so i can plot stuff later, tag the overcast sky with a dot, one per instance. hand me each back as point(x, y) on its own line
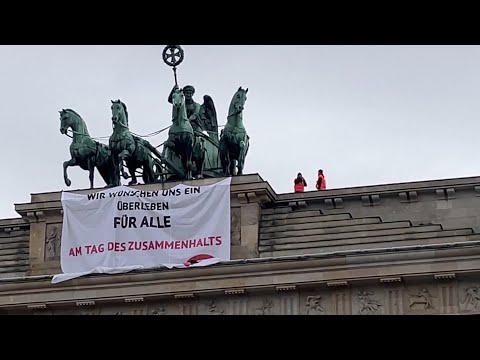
point(365, 114)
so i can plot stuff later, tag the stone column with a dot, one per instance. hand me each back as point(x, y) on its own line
point(45, 240)
point(246, 212)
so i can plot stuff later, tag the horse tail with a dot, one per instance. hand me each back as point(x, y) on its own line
point(103, 162)
point(100, 152)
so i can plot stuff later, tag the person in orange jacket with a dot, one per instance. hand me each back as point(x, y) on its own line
point(321, 182)
point(299, 183)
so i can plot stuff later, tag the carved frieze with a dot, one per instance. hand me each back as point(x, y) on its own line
point(53, 235)
point(368, 305)
point(421, 300)
point(313, 305)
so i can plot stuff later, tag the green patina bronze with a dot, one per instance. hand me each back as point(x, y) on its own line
point(136, 152)
point(234, 141)
point(180, 136)
point(85, 152)
point(193, 148)
point(203, 119)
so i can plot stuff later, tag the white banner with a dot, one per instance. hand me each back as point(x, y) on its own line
point(122, 228)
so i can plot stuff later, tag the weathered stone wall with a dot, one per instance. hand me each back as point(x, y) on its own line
point(44, 214)
point(309, 231)
point(443, 296)
point(14, 245)
point(410, 248)
point(453, 203)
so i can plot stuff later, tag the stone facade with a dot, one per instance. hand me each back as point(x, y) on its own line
point(443, 298)
point(411, 248)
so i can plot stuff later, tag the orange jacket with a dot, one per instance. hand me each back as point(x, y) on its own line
point(299, 185)
point(321, 183)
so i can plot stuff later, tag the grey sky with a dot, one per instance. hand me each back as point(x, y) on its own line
point(365, 114)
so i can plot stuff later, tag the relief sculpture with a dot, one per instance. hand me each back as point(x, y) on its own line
point(159, 311)
point(369, 305)
point(422, 298)
point(472, 297)
point(214, 310)
point(265, 308)
point(52, 242)
point(313, 305)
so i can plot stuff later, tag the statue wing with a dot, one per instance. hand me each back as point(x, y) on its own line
point(209, 113)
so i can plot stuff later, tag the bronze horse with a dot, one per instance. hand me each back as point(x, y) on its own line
point(85, 152)
point(135, 151)
point(234, 141)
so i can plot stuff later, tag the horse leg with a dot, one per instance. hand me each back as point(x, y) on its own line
point(200, 164)
point(228, 161)
point(66, 164)
point(121, 157)
point(199, 158)
point(124, 173)
point(231, 164)
point(195, 157)
point(241, 157)
point(187, 141)
point(91, 170)
point(116, 170)
point(126, 154)
point(131, 169)
point(102, 166)
point(232, 160)
point(185, 166)
point(104, 173)
point(224, 157)
point(189, 158)
point(109, 170)
point(187, 163)
point(202, 159)
point(148, 172)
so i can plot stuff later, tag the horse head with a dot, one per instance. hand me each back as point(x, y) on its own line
point(238, 101)
point(178, 99)
point(179, 112)
point(64, 121)
point(70, 119)
point(119, 113)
